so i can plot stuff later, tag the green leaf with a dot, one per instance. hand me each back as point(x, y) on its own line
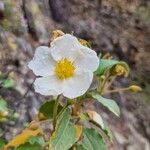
point(108, 131)
point(4, 111)
point(106, 64)
point(28, 146)
point(92, 140)
point(3, 105)
point(109, 103)
point(34, 143)
point(47, 109)
point(98, 121)
point(2, 143)
point(80, 147)
point(37, 140)
point(65, 134)
point(9, 83)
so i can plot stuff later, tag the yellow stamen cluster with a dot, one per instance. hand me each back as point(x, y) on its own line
point(64, 69)
point(119, 70)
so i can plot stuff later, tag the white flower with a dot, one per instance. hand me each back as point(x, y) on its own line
point(65, 68)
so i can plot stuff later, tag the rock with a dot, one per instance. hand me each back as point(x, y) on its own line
point(14, 22)
point(39, 25)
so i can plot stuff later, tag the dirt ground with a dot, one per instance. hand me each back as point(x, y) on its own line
point(120, 27)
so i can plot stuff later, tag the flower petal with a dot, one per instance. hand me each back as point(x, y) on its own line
point(42, 63)
point(77, 85)
point(65, 46)
point(48, 86)
point(87, 59)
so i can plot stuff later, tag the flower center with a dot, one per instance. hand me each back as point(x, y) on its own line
point(64, 69)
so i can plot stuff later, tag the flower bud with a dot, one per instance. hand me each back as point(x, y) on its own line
point(84, 43)
point(3, 113)
point(57, 33)
point(102, 77)
point(119, 70)
point(3, 116)
point(16, 115)
point(135, 88)
point(3, 119)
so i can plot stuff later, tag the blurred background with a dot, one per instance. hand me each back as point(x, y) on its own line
point(120, 27)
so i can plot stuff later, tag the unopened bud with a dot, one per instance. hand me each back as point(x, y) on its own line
point(135, 88)
point(119, 70)
point(102, 77)
point(57, 33)
point(3, 113)
point(16, 115)
point(3, 119)
point(84, 43)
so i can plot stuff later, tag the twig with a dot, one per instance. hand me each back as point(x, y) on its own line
point(27, 91)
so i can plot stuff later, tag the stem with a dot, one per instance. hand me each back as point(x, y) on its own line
point(110, 83)
point(99, 84)
point(103, 84)
point(116, 90)
point(78, 103)
point(61, 110)
point(55, 111)
point(77, 106)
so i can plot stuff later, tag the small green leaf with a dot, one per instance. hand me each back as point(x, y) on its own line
point(9, 83)
point(65, 134)
point(92, 140)
point(3, 105)
point(4, 111)
point(2, 143)
point(109, 103)
point(80, 147)
point(28, 146)
point(98, 121)
point(106, 64)
point(37, 140)
point(47, 109)
point(34, 143)
point(108, 131)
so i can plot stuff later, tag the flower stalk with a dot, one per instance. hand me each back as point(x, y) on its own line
point(132, 88)
point(77, 106)
point(55, 111)
point(103, 84)
point(115, 90)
